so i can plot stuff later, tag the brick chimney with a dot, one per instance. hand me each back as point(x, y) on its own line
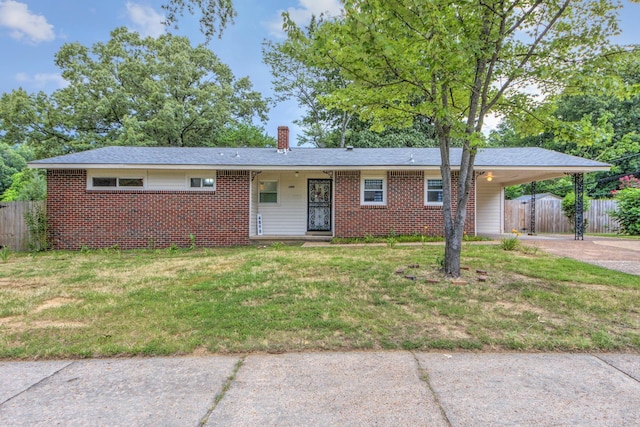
point(283, 139)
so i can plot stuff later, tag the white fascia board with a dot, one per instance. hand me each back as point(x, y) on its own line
point(554, 169)
point(226, 167)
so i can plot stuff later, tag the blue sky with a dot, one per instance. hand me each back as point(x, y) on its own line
point(32, 31)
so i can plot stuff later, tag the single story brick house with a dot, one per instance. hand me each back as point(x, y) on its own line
point(138, 197)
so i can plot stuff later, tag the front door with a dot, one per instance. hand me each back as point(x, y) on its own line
point(319, 205)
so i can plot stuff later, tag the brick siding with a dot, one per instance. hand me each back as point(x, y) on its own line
point(404, 213)
point(140, 219)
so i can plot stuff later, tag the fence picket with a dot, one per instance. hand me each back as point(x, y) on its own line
point(550, 219)
point(14, 232)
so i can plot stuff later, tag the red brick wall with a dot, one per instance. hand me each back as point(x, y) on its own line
point(405, 212)
point(141, 219)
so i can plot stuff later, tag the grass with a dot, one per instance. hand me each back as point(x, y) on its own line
point(402, 238)
point(288, 298)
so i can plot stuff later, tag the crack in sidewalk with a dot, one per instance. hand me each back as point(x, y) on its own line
point(225, 387)
point(37, 383)
point(616, 368)
point(424, 376)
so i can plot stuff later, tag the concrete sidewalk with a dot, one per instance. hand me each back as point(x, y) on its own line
point(358, 388)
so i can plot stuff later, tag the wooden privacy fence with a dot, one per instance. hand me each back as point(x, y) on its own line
point(14, 232)
point(551, 219)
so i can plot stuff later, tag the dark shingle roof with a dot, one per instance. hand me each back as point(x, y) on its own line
point(246, 158)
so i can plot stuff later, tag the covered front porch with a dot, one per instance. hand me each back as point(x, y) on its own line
point(291, 205)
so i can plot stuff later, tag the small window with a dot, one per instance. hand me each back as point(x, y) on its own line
point(374, 191)
point(130, 182)
point(104, 182)
point(116, 182)
point(268, 191)
point(433, 191)
point(202, 182)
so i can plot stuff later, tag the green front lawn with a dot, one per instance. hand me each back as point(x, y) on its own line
point(289, 298)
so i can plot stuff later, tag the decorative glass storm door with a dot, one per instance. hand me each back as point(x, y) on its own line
point(319, 199)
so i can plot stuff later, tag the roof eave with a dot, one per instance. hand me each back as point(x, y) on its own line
point(230, 167)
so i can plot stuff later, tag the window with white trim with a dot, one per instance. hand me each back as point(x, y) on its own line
point(433, 191)
point(100, 182)
point(202, 182)
point(268, 191)
point(374, 191)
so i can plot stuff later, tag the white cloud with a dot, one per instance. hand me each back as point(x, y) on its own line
point(42, 80)
point(146, 20)
point(491, 122)
point(302, 15)
point(23, 24)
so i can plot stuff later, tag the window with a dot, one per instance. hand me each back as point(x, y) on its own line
point(202, 182)
point(433, 191)
point(116, 182)
point(104, 182)
point(374, 191)
point(130, 182)
point(268, 191)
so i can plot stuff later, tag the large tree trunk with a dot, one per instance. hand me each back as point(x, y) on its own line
point(454, 216)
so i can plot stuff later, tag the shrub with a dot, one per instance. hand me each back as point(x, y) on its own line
point(510, 243)
point(36, 220)
point(569, 208)
point(628, 211)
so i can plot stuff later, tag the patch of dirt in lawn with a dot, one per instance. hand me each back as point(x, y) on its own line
point(590, 286)
point(7, 320)
point(201, 351)
point(164, 270)
point(15, 284)
point(451, 331)
point(15, 323)
point(54, 303)
point(18, 325)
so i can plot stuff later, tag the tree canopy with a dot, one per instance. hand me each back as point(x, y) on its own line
point(307, 79)
point(215, 15)
point(134, 91)
point(455, 62)
point(591, 121)
point(12, 161)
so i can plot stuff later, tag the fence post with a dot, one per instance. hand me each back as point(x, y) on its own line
point(532, 228)
point(578, 226)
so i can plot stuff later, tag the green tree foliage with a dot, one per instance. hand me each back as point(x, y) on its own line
point(308, 79)
point(558, 186)
point(628, 210)
point(307, 83)
point(591, 121)
point(244, 135)
point(215, 15)
point(569, 208)
point(12, 160)
point(134, 91)
point(28, 184)
point(454, 63)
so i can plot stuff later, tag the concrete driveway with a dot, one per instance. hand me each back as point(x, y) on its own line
point(608, 252)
